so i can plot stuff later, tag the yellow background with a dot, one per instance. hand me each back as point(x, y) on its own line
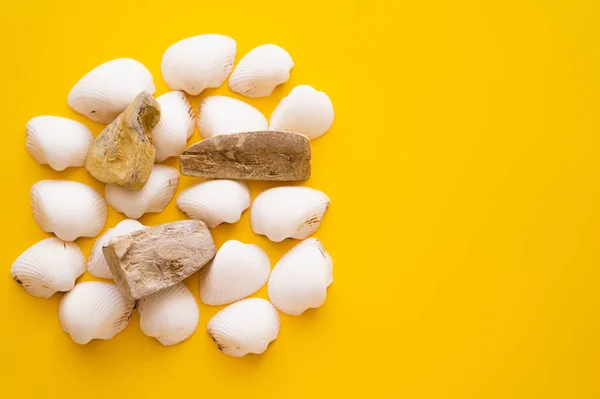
point(463, 171)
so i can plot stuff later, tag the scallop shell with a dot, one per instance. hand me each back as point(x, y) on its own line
point(288, 212)
point(305, 110)
point(68, 209)
point(247, 326)
point(261, 70)
point(198, 63)
point(94, 310)
point(300, 279)
point(215, 201)
point(58, 142)
point(225, 115)
point(96, 264)
point(153, 197)
point(48, 266)
point(175, 127)
point(104, 92)
point(237, 271)
point(170, 315)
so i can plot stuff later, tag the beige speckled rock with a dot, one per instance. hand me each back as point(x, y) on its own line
point(265, 155)
point(149, 260)
point(123, 153)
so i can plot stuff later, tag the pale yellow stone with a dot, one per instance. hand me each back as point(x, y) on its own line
point(123, 153)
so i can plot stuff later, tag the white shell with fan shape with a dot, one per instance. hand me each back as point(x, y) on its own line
point(261, 70)
point(104, 92)
point(300, 279)
point(175, 126)
point(198, 63)
point(153, 197)
point(226, 115)
point(247, 326)
point(288, 212)
point(58, 142)
point(305, 110)
point(94, 310)
point(68, 209)
point(48, 266)
point(237, 271)
point(215, 201)
point(170, 315)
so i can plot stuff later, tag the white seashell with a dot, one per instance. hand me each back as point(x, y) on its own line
point(153, 197)
point(68, 209)
point(215, 201)
point(261, 70)
point(96, 264)
point(305, 110)
point(288, 212)
point(58, 142)
point(247, 326)
point(170, 315)
point(94, 310)
point(300, 279)
point(48, 266)
point(198, 63)
point(225, 115)
point(237, 271)
point(104, 92)
point(175, 126)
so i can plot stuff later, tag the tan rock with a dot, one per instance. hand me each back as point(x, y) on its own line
point(123, 153)
point(265, 155)
point(149, 260)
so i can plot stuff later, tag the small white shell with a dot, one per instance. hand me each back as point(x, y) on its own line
point(94, 310)
point(247, 326)
point(225, 115)
point(300, 279)
point(305, 110)
point(215, 201)
point(104, 92)
point(170, 315)
point(198, 63)
point(261, 70)
point(237, 271)
point(48, 266)
point(175, 126)
point(58, 142)
point(68, 209)
point(153, 197)
point(96, 264)
point(288, 212)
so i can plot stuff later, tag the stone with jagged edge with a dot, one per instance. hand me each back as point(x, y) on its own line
point(123, 153)
point(264, 155)
point(155, 258)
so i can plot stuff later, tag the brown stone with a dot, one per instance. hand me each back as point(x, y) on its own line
point(265, 155)
point(123, 153)
point(149, 260)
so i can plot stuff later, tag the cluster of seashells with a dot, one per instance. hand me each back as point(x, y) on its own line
point(97, 310)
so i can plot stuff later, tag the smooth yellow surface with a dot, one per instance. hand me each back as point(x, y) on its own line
point(464, 176)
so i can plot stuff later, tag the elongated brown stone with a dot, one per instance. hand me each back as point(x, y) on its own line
point(149, 260)
point(123, 153)
point(264, 155)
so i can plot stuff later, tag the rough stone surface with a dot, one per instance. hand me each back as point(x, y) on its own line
point(265, 155)
point(123, 153)
point(149, 260)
